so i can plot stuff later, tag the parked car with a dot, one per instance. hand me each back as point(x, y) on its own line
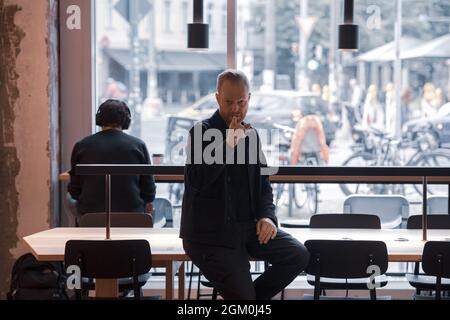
point(267, 108)
point(438, 125)
point(176, 138)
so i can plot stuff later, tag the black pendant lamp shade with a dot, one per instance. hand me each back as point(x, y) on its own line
point(198, 32)
point(348, 32)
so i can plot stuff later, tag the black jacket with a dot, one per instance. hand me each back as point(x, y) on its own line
point(205, 214)
point(128, 193)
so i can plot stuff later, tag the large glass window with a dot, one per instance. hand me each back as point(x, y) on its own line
point(288, 49)
point(167, 15)
point(184, 15)
point(211, 20)
point(143, 59)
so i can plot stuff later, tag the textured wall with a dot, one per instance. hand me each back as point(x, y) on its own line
point(27, 98)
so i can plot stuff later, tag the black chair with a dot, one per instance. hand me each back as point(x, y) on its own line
point(205, 283)
point(435, 221)
point(294, 223)
point(336, 220)
point(345, 259)
point(420, 281)
point(110, 259)
point(344, 221)
point(118, 220)
point(436, 263)
point(214, 294)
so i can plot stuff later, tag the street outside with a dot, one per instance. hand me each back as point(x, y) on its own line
point(397, 77)
point(331, 198)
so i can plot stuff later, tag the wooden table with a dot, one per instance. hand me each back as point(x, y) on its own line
point(167, 250)
point(403, 245)
point(166, 247)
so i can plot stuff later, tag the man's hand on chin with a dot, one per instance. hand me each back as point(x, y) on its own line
point(236, 132)
point(266, 230)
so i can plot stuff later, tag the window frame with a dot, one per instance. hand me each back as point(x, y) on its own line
point(78, 79)
point(77, 56)
point(167, 16)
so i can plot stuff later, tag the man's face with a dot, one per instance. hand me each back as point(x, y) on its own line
point(233, 98)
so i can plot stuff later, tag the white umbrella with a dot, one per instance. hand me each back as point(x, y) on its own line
point(387, 52)
point(436, 48)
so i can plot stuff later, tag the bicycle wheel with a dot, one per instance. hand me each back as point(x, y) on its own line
point(360, 159)
point(437, 158)
point(306, 196)
point(300, 195)
point(279, 190)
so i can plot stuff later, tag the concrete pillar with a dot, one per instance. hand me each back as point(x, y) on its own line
point(28, 125)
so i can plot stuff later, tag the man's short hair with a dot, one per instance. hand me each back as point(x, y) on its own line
point(234, 76)
point(113, 113)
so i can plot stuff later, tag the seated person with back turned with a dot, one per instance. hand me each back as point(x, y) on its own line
point(228, 215)
point(111, 146)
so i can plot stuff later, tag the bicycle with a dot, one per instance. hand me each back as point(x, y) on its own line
point(307, 194)
point(176, 141)
point(303, 195)
point(376, 148)
point(372, 148)
point(429, 154)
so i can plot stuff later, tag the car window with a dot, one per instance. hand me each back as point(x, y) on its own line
point(209, 103)
point(311, 105)
point(259, 102)
point(178, 132)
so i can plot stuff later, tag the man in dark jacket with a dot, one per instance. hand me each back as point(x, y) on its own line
point(111, 146)
point(228, 215)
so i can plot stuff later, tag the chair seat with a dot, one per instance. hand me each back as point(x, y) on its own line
point(124, 283)
point(424, 282)
point(295, 223)
point(352, 284)
point(207, 284)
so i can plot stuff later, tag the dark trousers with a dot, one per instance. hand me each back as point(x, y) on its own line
point(228, 269)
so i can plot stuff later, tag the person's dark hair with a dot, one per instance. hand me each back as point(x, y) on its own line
point(113, 113)
point(234, 76)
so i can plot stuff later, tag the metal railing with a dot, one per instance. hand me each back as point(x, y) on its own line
point(287, 174)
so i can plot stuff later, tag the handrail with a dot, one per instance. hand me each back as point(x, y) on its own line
point(289, 174)
point(179, 178)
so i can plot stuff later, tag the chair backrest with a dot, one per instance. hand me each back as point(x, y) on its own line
point(345, 258)
point(436, 258)
point(118, 220)
point(163, 212)
point(109, 259)
point(389, 208)
point(435, 221)
point(338, 220)
point(437, 205)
